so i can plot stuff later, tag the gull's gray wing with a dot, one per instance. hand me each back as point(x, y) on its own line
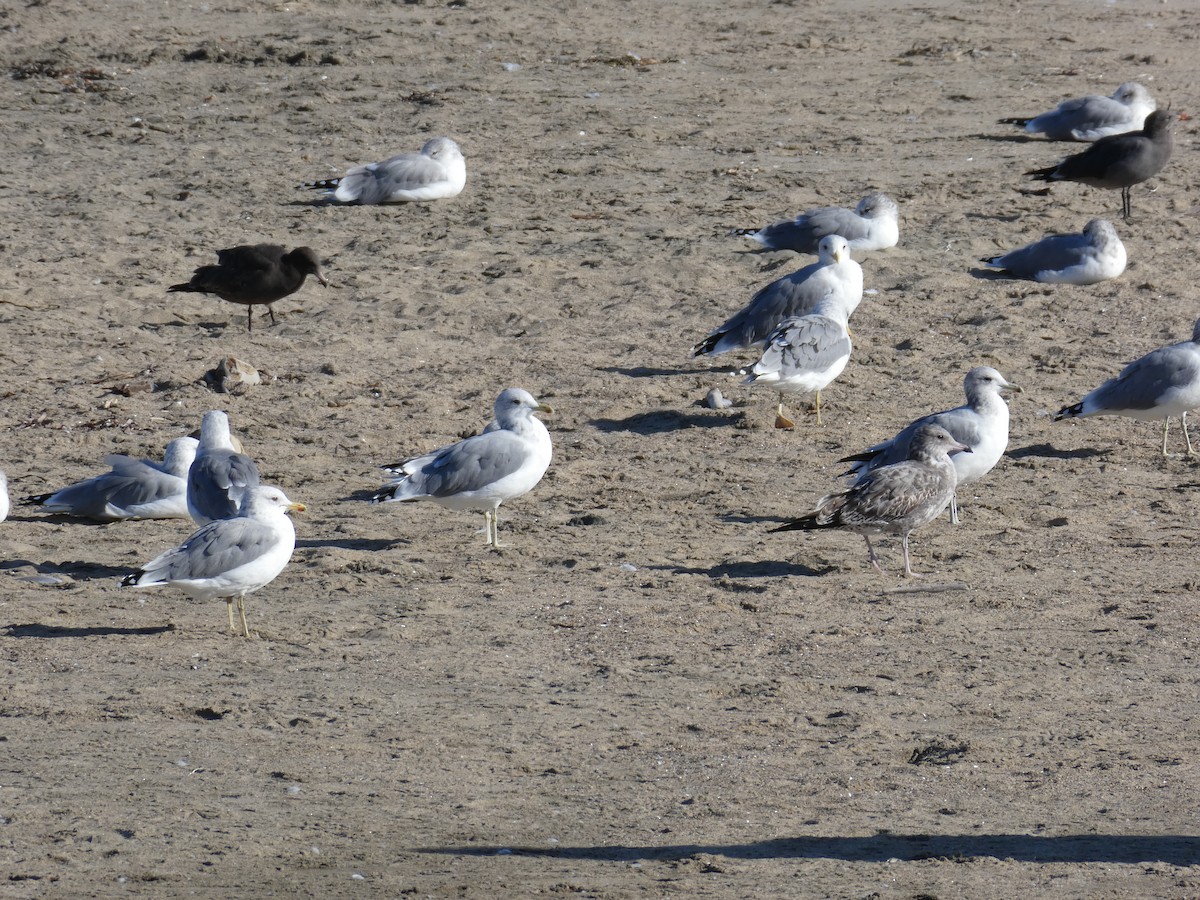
point(805, 343)
point(217, 480)
point(469, 465)
point(215, 549)
point(376, 182)
point(803, 233)
point(1144, 383)
point(1053, 253)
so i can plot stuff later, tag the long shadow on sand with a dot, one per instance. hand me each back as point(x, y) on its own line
point(764, 569)
point(664, 420)
point(1179, 850)
point(37, 630)
point(1052, 452)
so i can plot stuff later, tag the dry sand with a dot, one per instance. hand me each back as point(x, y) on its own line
point(644, 693)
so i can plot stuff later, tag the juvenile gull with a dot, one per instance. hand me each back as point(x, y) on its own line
point(219, 476)
point(504, 462)
point(1094, 256)
point(873, 225)
point(132, 489)
point(805, 354)
point(1119, 161)
point(3, 497)
point(436, 173)
point(1093, 117)
point(1163, 383)
point(229, 558)
point(895, 499)
point(981, 424)
point(834, 274)
point(255, 275)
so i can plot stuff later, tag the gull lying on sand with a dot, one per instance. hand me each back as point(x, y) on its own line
point(229, 558)
point(436, 173)
point(873, 225)
point(504, 462)
point(895, 499)
point(1093, 256)
point(1093, 117)
point(981, 424)
point(1163, 383)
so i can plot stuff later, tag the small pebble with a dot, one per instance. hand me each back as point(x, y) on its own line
point(715, 400)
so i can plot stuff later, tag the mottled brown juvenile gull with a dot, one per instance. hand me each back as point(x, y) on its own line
point(895, 499)
point(229, 558)
point(436, 173)
point(255, 275)
point(834, 274)
point(981, 424)
point(483, 471)
point(1093, 117)
point(1119, 161)
point(805, 354)
point(873, 225)
point(3, 497)
point(132, 489)
point(219, 476)
point(1095, 255)
point(1163, 383)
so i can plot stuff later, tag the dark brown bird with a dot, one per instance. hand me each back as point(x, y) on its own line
point(1120, 160)
point(252, 275)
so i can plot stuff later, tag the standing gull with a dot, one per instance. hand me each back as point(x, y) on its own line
point(895, 499)
point(1094, 256)
point(133, 489)
point(834, 274)
point(1163, 383)
point(1119, 161)
point(873, 225)
point(805, 354)
point(436, 173)
point(255, 275)
point(1093, 117)
point(483, 471)
point(219, 476)
point(229, 558)
point(981, 424)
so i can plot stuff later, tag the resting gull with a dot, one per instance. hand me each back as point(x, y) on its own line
point(872, 225)
point(220, 475)
point(981, 424)
point(1093, 117)
point(229, 558)
point(3, 497)
point(1119, 161)
point(255, 275)
point(834, 274)
point(504, 462)
point(436, 173)
point(1094, 256)
point(895, 499)
point(132, 489)
point(805, 354)
point(1163, 383)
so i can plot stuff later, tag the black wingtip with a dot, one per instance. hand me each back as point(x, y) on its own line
point(1020, 123)
point(36, 499)
point(131, 579)
point(1046, 174)
point(706, 346)
point(388, 492)
point(325, 184)
point(1068, 412)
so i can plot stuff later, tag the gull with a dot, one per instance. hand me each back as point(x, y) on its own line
point(1163, 383)
point(229, 558)
point(4, 503)
point(1119, 161)
point(872, 225)
point(436, 173)
point(1094, 256)
point(255, 275)
point(1093, 117)
point(981, 424)
point(219, 476)
point(895, 499)
point(834, 274)
point(504, 462)
point(132, 489)
point(805, 354)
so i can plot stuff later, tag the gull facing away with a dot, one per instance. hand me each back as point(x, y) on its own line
point(872, 225)
point(1119, 161)
point(1093, 117)
point(229, 558)
point(219, 476)
point(4, 503)
point(504, 462)
point(895, 499)
point(834, 274)
point(1163, 383)
point(981, 424)
point(254, 276)
point(805, 354)
point(436, 173)
point(1095, 255)
point(132, 489)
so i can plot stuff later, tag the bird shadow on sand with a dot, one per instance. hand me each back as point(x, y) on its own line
point(649, 372)
point(77, 570)
point(37, 630)
point(1048, 450)
point(666, 420)
point(356, 543)
point(993, 275)
point(747, 570)
point(1012, 138)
